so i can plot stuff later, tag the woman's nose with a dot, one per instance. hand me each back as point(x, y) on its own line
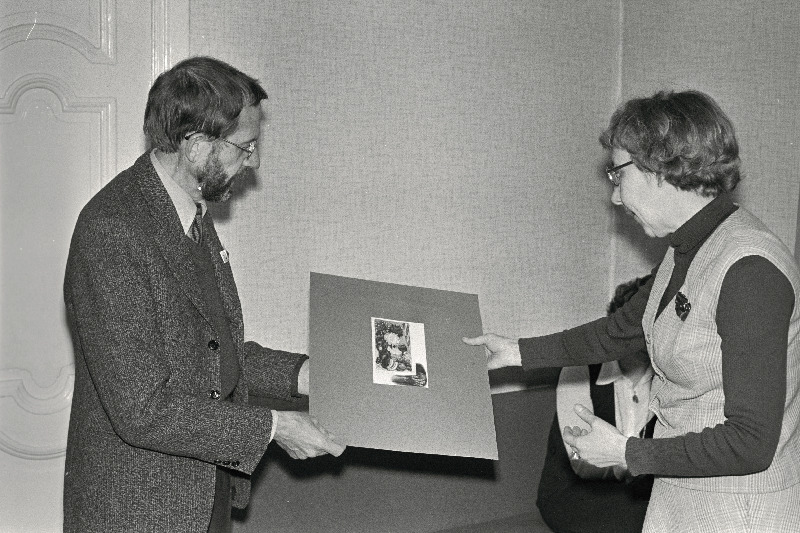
point(615, 197)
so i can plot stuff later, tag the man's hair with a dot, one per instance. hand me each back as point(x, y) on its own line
point(684, 137)
point(199, 94)
point(625, 292)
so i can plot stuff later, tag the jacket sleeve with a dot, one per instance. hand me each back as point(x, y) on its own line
point(272, 373)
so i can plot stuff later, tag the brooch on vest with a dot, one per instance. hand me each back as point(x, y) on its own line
point(682, 306)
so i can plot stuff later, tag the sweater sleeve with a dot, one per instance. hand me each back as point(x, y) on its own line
point(755, 305)
point(605, 339)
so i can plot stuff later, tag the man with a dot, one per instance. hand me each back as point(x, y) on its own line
point(161, 436)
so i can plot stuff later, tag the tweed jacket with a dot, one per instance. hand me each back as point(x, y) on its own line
point(687, 393)
point(147, 427)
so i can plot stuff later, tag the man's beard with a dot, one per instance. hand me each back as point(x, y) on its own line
point(215, 185)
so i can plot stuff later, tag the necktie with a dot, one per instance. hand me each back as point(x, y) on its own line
point(196, 229)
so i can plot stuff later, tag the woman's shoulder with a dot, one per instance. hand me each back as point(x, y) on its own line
point(743, 234)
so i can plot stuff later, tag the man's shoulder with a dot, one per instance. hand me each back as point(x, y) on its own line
point(119, 192)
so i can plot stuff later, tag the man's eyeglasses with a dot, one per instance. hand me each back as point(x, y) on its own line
point(613, 172)
point(249, 149)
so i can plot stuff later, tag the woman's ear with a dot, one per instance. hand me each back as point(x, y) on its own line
point(658, 178)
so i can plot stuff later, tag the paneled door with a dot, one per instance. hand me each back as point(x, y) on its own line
point(74, 76)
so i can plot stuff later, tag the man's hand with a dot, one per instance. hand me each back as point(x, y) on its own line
point(500, 351)
point(603, 445)
point(302, 437)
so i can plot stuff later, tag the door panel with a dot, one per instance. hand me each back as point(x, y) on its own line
point(73, 86)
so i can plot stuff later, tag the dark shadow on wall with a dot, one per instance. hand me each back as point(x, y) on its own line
point(368, 490)
point(364, 458)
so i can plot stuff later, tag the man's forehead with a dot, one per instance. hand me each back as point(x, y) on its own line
point(250, 120)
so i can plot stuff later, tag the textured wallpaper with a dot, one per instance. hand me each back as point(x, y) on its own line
point(450, 145)
point(745, 54)
point(453, 144)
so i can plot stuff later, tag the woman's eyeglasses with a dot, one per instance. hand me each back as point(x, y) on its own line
point(613, 172)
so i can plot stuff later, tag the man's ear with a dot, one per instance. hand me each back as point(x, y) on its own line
point(196, 148)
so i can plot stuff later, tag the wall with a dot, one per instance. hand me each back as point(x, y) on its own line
point(745, 54)
point(450, 145)
point(378, 491)
point(453, 145)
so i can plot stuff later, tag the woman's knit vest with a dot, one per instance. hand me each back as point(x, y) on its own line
point(687, 394)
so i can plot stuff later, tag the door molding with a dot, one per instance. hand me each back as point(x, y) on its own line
point(170, 43)
point(53, 26)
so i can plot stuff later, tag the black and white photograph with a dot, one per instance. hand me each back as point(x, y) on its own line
point(399, 355)
point(611, 186)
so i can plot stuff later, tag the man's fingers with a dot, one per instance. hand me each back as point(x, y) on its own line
point(331, 445)
point(335, 449)
point(302, 436)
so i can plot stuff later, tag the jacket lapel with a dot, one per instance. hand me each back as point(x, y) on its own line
point(225, 281)
point(168, 232)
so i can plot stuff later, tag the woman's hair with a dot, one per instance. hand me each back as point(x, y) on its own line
point(683, 137)
point(199, 94)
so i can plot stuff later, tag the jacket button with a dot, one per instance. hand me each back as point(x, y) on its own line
point(213, 344)
point(213, 394)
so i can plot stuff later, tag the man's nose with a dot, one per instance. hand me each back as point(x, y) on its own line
point(254, 161)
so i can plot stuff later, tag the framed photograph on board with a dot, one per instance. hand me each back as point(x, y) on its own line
point(389, 369)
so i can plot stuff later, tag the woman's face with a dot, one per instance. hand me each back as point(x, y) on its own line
point(643, 196)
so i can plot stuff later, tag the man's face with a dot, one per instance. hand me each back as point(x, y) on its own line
point(215, 184)
point(226, 162)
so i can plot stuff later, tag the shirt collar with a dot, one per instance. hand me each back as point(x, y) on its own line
point(695, 230)
point(611, 373)
point(183, 203)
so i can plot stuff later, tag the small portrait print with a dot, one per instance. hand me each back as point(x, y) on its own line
point(398, 353)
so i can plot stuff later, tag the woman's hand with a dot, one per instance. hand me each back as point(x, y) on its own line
point(602, 446)
point(500, 351)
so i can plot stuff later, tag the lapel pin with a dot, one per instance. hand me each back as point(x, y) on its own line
point(682, 306)
point(224, 255)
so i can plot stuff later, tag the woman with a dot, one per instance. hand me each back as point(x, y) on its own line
point(720, 321)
